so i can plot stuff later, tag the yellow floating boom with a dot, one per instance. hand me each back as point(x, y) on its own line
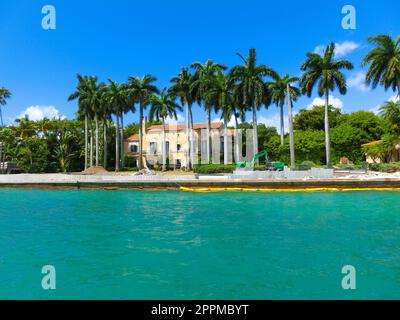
point(266, 190)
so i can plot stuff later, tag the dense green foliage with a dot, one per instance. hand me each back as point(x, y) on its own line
point(348, 133)
point(44, 146)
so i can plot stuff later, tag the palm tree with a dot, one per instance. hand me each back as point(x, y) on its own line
point(97, 95)
point(181, 87)
point(4, 95)
point(283, 91)
point(201, 86)
point(82, 94)
point(384, 63)
point(250, 87)
point(221, 97)
point(391, 112)
point(63, 150)
point(163, 106)
point(105, 116)
point(140, 90)
point(116, 96)
point(26, 128)
point(326, 71)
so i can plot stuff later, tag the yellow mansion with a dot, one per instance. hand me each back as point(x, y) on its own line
point(177, 144)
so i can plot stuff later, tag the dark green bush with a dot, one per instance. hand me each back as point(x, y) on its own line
point(306, 165)
point(214, 168)
point(385, 167)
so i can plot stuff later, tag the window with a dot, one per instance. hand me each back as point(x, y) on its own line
point(134, 148)
point(167, 148)
point(153, 148)
point(178, 147)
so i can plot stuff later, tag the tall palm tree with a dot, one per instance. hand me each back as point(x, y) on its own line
point(105, 116)
point(140, 89)
point(98, 91)
point(163, 106)
point(117, 99)
point(92, 97)
point(384, 63)
point(221, 96)
point(278, 90)
point(83, 96)
point(282, 90)
point(181, 87)
point(251, 88)
point(325, 72)
point(4, 95)
point(201, 86)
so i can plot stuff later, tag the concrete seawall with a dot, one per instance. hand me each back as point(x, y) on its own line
point(64, 181)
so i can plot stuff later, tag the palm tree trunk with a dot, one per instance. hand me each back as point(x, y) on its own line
point(282, 126)
point(398, 88)
point(255, 134)
point(117, 143)
point(187, 125)
point(327, 138)
point(208, 136)
point(192, 150)
point(91, 144)
point(105, 144)
point(291, 133)
point(140, 162)
point(237, 146)
point(86, 141)
point(122, 141)
point(164, 151)
point(96, 119)
point(226, 158)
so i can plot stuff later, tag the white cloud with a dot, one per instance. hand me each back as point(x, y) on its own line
point(357, 81)
point(172, 121)
point(394, 98)
point(231, 123)
point(345, 48)
point(319, 49)
point(274, 121)
point(336, 102)
point(342, 49)
point(375, 110)
point(36, 113)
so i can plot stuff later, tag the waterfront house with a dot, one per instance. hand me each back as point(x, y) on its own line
point(176, 142)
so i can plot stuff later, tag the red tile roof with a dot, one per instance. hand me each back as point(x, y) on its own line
point(179, 127)
point(182, 127)
point(134, 138)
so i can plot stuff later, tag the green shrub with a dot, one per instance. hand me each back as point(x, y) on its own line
point(362, 166)
point(306, 165)
point(385, 167)
point(214, 168)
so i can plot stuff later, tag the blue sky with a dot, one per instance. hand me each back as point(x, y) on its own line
point(121, 38)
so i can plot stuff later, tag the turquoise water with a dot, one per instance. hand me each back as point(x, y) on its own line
point(175, 245)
